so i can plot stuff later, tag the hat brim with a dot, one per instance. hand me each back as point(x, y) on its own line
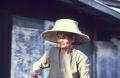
point(51, 35)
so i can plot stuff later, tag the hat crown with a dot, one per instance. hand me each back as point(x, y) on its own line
point(67, 25)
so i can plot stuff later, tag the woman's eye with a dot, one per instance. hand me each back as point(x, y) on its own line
point(58, 37)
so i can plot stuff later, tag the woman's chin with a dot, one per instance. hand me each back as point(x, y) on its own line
point(63, 47)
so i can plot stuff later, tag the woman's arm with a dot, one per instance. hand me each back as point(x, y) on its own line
point(84, 67)
point(43, 62)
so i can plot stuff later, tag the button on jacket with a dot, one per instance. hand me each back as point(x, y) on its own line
point(73, 65)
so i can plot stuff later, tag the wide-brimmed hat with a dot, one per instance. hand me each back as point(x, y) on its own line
point(65, 25)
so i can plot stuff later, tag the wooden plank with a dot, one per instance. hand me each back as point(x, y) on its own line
point(102, 7)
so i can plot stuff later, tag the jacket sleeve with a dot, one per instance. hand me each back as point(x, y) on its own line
point(84, 67)
point(43, 62)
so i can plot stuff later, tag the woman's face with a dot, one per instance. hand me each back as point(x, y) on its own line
point(64, 40)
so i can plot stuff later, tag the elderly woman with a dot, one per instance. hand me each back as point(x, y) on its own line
point(64, 61)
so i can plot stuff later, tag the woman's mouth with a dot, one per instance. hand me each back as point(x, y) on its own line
point(62, 44)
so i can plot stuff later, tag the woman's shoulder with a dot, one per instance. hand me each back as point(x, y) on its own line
point(79, 53)
point(54, 48)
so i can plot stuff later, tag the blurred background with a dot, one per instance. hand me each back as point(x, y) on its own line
point(22, 22)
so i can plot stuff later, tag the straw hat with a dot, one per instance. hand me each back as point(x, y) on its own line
point(65, 25)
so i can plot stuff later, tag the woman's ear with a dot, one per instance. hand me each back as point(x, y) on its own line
point(73, 38)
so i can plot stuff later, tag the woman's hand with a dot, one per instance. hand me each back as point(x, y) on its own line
point(36, 74)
